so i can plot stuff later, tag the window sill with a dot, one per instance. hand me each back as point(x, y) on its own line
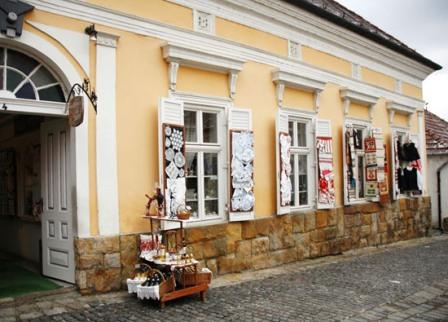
point(193, 223)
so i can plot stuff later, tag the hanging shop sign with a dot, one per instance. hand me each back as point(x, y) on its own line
point(75, 111)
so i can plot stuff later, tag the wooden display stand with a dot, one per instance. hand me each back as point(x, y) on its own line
point(191, 282)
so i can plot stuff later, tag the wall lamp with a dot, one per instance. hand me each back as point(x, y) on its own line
point(91, 31)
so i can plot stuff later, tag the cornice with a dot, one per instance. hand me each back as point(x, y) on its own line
point(290, 22)
point(107, 17)
point(297, 81)
point(400, 108)
point(186, 56)
point(358, 97)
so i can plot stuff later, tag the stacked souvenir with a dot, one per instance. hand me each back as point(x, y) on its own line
point(285, 169)
point(242, 171)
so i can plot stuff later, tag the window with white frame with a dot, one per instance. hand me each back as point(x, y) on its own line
point(355, 161)
point(302, 161)
point(205, 189)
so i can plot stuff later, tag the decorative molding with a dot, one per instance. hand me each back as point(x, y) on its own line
point(284, 79)
point(398, 86)
point(283, 19)
point(233, 77)
point(32, 106)
point(142, 26)
point(202, 100)
point(106, 39)
point(76, 43)
point(294, 50)
point(172, 75)
point(352, 96)
point(356, 71)
point(181, 55)
point(395, 108)
point(203, 22)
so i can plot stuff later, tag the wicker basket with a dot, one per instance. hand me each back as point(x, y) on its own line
point(183, 215)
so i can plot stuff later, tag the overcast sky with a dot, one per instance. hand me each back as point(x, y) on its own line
point(422, 25)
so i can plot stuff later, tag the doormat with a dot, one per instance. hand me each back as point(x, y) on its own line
point(16, 280)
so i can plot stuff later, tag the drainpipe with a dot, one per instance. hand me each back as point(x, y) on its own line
point(439, 201)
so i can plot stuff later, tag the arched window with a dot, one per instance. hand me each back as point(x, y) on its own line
point(23, 77)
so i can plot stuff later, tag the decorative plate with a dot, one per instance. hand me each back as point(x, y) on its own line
point(167, 142)
point(172, 171)
point(179, 160)
point(168, 131)
point(169, 154)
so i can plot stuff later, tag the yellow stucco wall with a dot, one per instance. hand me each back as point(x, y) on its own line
point(295, 98)
point(142, 78)
point(326, 61)
point(411, 90)
point(249, 36)
point(377, 78)
point(203, 82)
point(159, 10)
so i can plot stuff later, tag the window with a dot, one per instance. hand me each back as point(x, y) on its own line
point(355, 163)
point(204, 155)
point(23, 77)
point(301, 161)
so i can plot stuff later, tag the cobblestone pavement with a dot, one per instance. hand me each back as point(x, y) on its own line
point(404, 282)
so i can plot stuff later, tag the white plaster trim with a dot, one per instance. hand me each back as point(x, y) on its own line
point(76, 43)
point(196, 27)
point(352, 96)
point(201, 59)
point(202, 100)
point(106, 39)
point(141, 26)
point(106, 137)
point(55, 59)
point(172, 75)
point(33, 107)
point(400, 108)
point(284, 20)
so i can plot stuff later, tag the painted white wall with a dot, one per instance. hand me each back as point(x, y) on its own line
point(434, 164)
point(106, 137)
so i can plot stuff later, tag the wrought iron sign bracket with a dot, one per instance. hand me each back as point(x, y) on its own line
point(85, 87)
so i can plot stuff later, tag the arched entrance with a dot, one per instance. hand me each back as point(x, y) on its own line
point(37, 164)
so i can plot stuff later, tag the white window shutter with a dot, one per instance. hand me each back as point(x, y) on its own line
point(281, 128)
point(239, 120)
point(325, 172)
point(345, 184)
point(171, 112)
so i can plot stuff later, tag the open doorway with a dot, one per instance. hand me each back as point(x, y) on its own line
point(36, 235)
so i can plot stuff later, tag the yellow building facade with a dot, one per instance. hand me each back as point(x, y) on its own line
point(275, 71)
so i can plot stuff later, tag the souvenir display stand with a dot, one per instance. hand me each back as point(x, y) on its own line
point(183, 277)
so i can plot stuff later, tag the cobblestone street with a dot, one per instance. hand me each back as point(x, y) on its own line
point(404, 282)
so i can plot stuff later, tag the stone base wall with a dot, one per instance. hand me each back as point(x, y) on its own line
point(103, 264)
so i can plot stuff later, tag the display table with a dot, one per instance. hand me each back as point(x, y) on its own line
point(189, 279)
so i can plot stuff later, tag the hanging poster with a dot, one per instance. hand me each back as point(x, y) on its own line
point(326, 192)
point(242, 163)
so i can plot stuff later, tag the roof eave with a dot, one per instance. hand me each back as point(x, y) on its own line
point(305, 5)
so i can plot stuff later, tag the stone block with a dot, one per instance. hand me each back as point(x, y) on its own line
point(298, 223)
point(197, 249)
point(346, 244)
point(366, 219)
point(233, 233)
point(85, 246)
point(248, 230)
point(365, 231)
point(321, 219)
point(340, 222)
point(283, 256)
point(105, 280)
point(212, 265)
point(89, 261)
point(324, 249)
point(232, 264)
point(369, 207)
point(314, 250)
point(259, 227)
point(112, 260)
point(81, 279)
point(332, 219)
point(404, 203)
point(349, 221)
point(261, 261)
point(382, 216)
point(363, 243)
point(243, 249)
point(280, 240)
point(107, 245)
point(214, 248)
point(303, 251)
point(382, 227)
point(310, 221)
point(198, 234)
point(335, 247)
point(330, 233)
point(129, 243)
point(260, 245)
point(317, 235)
